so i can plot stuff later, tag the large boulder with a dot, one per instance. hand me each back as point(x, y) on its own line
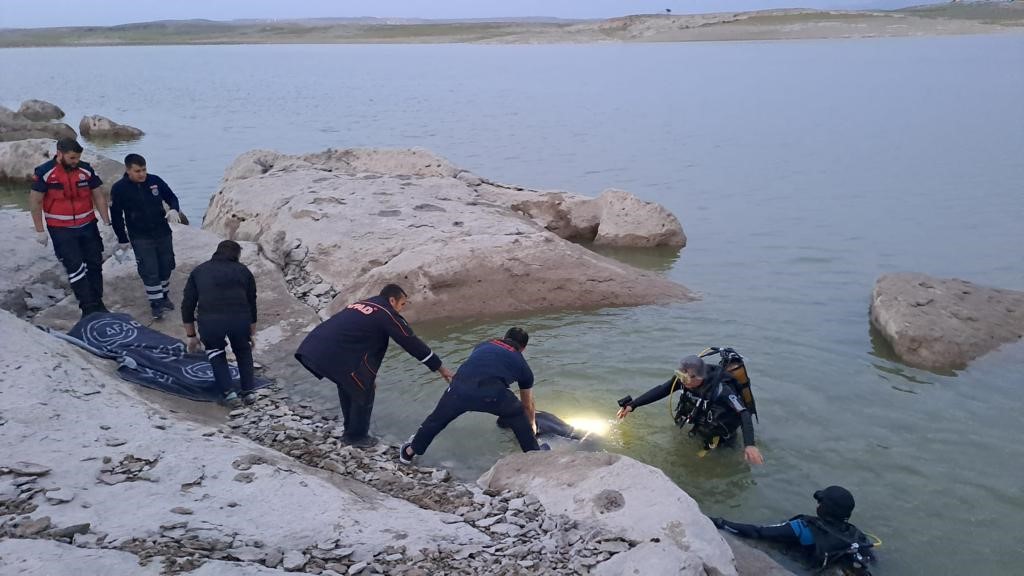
point(102, 128)
point(616, 218)
point(40, 110)
point(630, 222)
point(942, 324)
point(282, 318)
point(342, 223)
point(626, 497)
point(18, 160)
point(14, 126)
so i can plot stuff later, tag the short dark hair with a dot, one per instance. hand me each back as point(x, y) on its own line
point(393, 291)
point(66, 145)
point(134, 160)
point(229, 249)
point(517, 336)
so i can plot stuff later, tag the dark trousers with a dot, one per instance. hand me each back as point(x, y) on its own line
point(356, 407)
point(215, 332)
point(80, 250)
point(492, 399)
point(356, 397)
point(155, 260)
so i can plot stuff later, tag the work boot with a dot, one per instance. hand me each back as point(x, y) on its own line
point(166, 303)
point(363, 442)
point(157, 310)
point(232, 401)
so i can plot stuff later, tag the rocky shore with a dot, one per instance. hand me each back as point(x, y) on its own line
point(272, 490)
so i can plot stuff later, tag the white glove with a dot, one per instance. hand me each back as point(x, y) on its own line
point(43, 237)
point(121, 253)
point(173, 217)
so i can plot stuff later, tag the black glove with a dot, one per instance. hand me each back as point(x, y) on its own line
point(718, 521)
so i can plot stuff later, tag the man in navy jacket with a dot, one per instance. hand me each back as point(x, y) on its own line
point(482, 384)
point(348, 349)
point(137, 201)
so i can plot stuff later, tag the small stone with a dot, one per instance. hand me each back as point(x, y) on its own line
point(357, 567)
point(489, 521)
point(247, 554)
point(86, 540)
point(111, 479)
point(209, 433)
point(32, 527)
point(70, 531)
point(613, 546)
point(24, 481)
point(181, 510)
point(505, 528)
point(294, 561)
point(245, 477)
point(114, 442)
point(60, 496)
point(238, 412)
point(393, 557)
point(273, 558)
point(29, 469)
point(439, 476)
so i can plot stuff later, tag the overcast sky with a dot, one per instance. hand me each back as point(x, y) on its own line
point(40, 13)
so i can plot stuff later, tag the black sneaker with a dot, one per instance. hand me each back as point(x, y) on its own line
point(157, 310)
point(249, 398)
point(403, 454)
point(167, 304)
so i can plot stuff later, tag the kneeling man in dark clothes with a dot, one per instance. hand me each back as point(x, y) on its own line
point(482, 385)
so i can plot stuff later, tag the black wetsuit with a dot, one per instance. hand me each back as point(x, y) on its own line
point(715, 409)
point(823, 541)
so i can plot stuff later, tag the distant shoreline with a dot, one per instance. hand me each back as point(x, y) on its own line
point(938, 20)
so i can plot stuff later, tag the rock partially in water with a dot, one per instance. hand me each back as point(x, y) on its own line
point(19, 159)
point(40, 110)
point(102, 128)
point(14, 126)
point(634, 501)
point(465, 256)
point(943, 324)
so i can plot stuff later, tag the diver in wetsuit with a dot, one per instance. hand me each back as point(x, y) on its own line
point(710, 401)
point(827, 538)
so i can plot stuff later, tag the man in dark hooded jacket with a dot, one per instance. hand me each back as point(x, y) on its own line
point(710, 401)
point(349, 347)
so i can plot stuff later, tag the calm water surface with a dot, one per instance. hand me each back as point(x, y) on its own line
point(800, 170)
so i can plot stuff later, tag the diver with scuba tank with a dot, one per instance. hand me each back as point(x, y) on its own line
point(712, 400)
point(827, 538)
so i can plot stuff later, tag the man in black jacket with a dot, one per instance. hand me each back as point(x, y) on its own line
point(710, 401)
point(348, 349)
point(137, 200)
point(224, 290)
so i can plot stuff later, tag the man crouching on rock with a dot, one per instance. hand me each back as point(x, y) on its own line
point(482, 385)
point(349, 347)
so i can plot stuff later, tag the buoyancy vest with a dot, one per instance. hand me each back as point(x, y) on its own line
point(837, 542)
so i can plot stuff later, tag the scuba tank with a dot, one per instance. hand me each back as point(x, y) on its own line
point(731, 361)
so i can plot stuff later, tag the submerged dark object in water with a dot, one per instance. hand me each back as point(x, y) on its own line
point(550, 425)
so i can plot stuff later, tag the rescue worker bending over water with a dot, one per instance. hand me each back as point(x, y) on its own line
point(827, 538)
point(710, 400)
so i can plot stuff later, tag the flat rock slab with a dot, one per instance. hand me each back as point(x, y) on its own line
point(943, 324)
point(29, 469)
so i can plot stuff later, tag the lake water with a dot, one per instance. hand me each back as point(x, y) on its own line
point(801, 172)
